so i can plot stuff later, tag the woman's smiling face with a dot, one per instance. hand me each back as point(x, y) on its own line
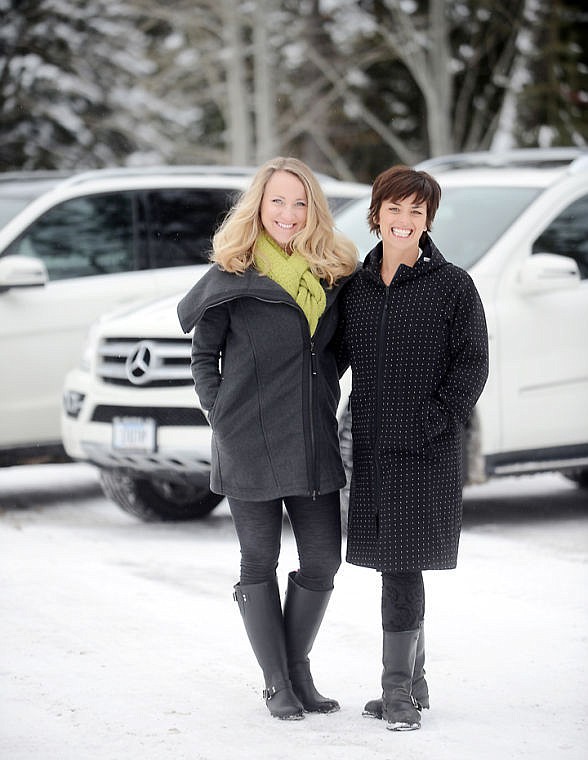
point(283, 207)
point(402, 223)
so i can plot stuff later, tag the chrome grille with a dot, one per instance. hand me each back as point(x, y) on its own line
point(164, 416)
point(145, 363)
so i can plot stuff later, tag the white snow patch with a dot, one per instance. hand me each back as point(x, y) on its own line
point(120, 639)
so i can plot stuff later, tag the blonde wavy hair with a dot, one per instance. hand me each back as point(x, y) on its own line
point(330, 255)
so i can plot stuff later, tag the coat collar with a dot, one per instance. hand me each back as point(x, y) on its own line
point(217, 286)
point(431, 259)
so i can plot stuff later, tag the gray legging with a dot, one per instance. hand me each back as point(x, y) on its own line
point(316, 524)
point(403, 601)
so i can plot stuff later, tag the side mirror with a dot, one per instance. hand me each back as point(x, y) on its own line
point(22, 272)
point(544, 272)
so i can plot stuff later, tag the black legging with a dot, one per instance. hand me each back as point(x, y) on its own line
point(403, 601)
point(317, 528)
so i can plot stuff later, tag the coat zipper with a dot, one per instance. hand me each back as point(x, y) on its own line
point(314, 456)
point(379, 394)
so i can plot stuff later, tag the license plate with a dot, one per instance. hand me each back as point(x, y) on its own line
point(134, 434)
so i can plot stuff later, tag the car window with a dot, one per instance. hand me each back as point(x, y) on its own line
point(567, 235)
point(9, 207)
point(181, 224)
point(352, 222)
point(84, 236)
point(338, 203)
point(469, 221)
point(16, 193)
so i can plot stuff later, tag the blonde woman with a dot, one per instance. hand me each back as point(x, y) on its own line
point(264, 369)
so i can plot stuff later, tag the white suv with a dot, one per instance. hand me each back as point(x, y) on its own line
point(94, 242)
point(518, 222)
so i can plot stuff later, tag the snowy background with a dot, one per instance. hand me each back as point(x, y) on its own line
point(121, 640)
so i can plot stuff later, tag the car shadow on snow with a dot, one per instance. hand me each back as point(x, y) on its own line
point(524, 500)
point(29, 486)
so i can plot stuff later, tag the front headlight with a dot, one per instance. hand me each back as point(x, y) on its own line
point(90, 347)
point(73, 402)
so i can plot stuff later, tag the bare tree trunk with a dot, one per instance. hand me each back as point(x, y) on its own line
point(237, 109)
point(439, 96)
point(266, 141)
point(427, 55)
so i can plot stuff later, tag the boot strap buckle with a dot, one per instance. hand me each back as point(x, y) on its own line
point(278, 685)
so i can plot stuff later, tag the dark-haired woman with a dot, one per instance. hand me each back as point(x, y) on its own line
point(414, 332)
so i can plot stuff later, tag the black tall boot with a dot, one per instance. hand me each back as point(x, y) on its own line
point(303, 614)
point(420, 689)
point(261, 610)
point(399, 654)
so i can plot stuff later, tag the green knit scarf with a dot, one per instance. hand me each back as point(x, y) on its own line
point(293, 274)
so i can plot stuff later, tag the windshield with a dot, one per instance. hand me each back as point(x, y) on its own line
point(15, 194)
point(469, 220)
point(9, 207)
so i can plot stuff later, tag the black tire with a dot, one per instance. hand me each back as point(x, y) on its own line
point(158, 500)
point(347, 457)
point(580, 477)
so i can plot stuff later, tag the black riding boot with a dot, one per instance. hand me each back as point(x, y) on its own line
point(261, 610)
point(420, 690)
point(303, 614)
point(399, 654)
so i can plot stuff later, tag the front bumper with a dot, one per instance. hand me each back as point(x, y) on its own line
point(182, 436)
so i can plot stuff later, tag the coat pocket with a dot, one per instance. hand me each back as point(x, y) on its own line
point(437, 420)
point(215, 405)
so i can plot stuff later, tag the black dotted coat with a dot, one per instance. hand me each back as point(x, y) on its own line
point(419, 356)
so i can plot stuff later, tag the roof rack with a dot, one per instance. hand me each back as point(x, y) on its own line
point(33, 175)
point(529, 158)
point(140, 171)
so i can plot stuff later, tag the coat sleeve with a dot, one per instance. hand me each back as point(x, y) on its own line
point(208, 344)
point(467, 371)
point(338, 343)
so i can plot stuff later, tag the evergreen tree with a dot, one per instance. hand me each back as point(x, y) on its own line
point(71, 84)
point(553, 103)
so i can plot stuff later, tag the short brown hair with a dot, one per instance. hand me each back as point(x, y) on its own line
point(400, 182)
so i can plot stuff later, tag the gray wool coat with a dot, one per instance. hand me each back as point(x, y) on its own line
point(419, 356)
point(271, 390)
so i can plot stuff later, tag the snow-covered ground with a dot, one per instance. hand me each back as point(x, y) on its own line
point(120, 640)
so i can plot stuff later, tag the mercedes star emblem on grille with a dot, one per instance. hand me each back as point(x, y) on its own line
point(139, 363)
